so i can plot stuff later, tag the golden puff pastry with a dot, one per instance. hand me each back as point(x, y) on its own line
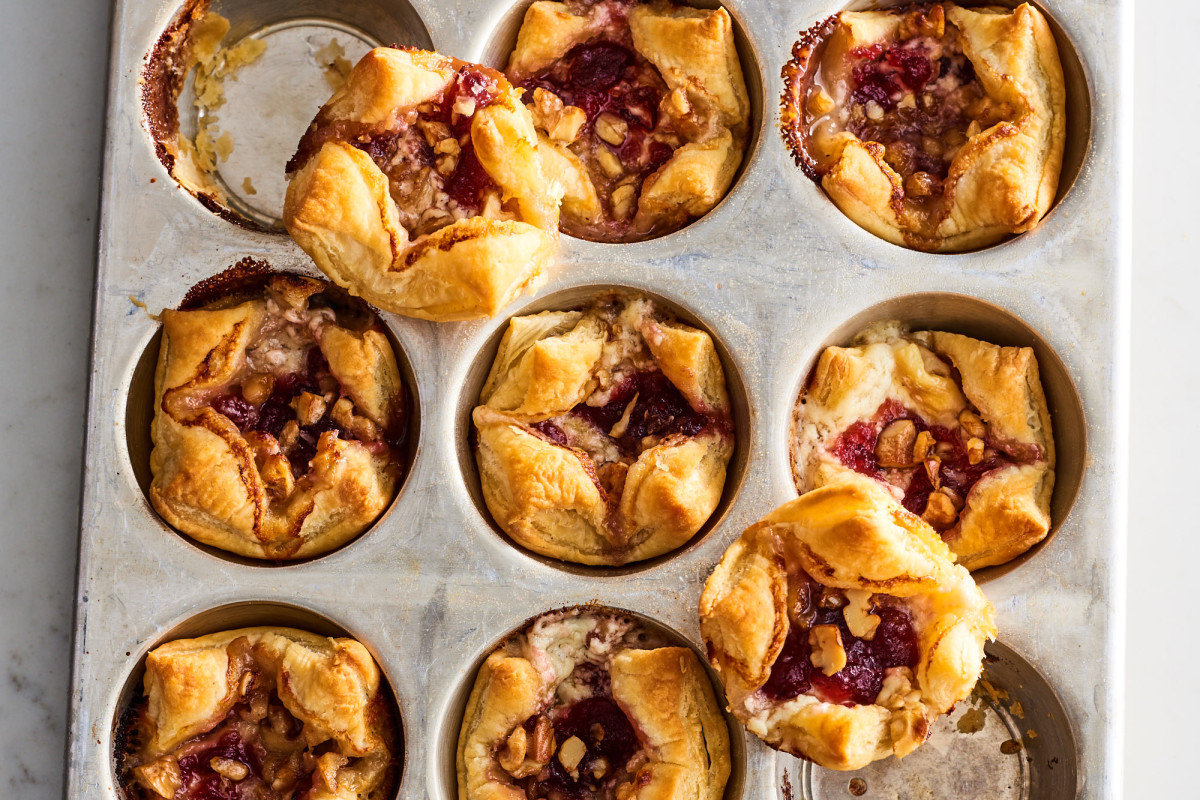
point(957, 428)
point(586, 703)
point(279, 421)
point(269, 713)
point(641, 110)
point(603, 434)
point(934, 127)
point(842, 628)
point(419, 187)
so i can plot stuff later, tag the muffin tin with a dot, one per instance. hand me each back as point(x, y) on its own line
point(774, 273)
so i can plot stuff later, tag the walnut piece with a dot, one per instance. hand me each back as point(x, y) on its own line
point(972, 424)
point(612, 128)
point(819, 102)
point(543, 745)
point(610, 165)
point(895, 444)
point(561, 123)
point(859, 619)
point(828, 654)
point(512, 755)
point(974, 451)
point(623, 198)
point(257, 388)
point(359, 427)
point(940, 512)
point(309, 407)
point(571, 753)
point(161, 777)
point(228, 768)
point(922, 446)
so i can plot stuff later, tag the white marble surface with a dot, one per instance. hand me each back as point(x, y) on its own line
point(52, 64)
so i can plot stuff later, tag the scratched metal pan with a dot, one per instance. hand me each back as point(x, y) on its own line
point(775, 273)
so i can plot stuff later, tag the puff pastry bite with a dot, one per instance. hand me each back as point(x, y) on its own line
point(956, 428)
point(842, 628)
point(263, 713)
point(279, 421)
point(419, 187)
point(603, 434)
point(934, 127)
point(586, 703)
point(641, 110)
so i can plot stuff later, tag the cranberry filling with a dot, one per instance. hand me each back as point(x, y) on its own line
point(855, 448)
point(917, 97)
point(660, 410)
point(860, 680)
point(610, 741)
point(199, 781)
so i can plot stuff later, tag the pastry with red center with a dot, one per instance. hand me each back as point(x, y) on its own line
point(418, 186)
point(957, 429)
point(586, 703)
point(641, 110)
point(279, 417)
point(263, 713)
point(842, 628)
point(603, 434)
point(935, 127)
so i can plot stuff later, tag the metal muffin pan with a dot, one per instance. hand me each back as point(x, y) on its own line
point(773, 272)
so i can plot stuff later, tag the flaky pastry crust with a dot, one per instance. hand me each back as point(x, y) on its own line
point(419, 187)
point(603, 434)
point(977, 414)
point(982, 163)
point(531, 720)
point(641, 108)
point(276, 430)
point(843, 562)
point(230, 707)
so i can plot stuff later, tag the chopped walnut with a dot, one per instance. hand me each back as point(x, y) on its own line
point(909, 729)
point(922, 446)
point(161, 777)
point(600, 768)
point(257, 388)
point(933, 469)
point(328, 765)
point(309, 407)
point(831, 598)
point(612, 128)
point(896, 443)
point(924, 22)
point(921, 184)
point(571, 753)
point(610, 165)
point(464, 106)
point(597, 731)
point(940, 512)
point(289, 435)
point(445, 165)
point(359, 427)
point(561, 123)
point(448, 146)
point(623, 201)
point(676, 104)
point(972, 424)
point(543, 744)
point(975, 449)
point(819, 102)
point(228, 768)
point(859, 619)
point(512, 756)
point(828, 654)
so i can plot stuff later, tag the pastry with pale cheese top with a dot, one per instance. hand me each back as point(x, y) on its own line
point(279, 419)
point(586, 703)
point(419, 187)
point(264, 713)
point(957, 429)
point(603, 434)
point(641, 110)
point(842, 628)
point(934, 127)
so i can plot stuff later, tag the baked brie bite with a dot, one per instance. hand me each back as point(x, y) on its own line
point(935, 127)
point(586, 703)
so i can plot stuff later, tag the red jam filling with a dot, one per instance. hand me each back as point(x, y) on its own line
point(610, 741)
point(199, 781)
point(855, 448)
point(859, 682)
point(661, 410)
point(407, 156)
point(605, 76)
